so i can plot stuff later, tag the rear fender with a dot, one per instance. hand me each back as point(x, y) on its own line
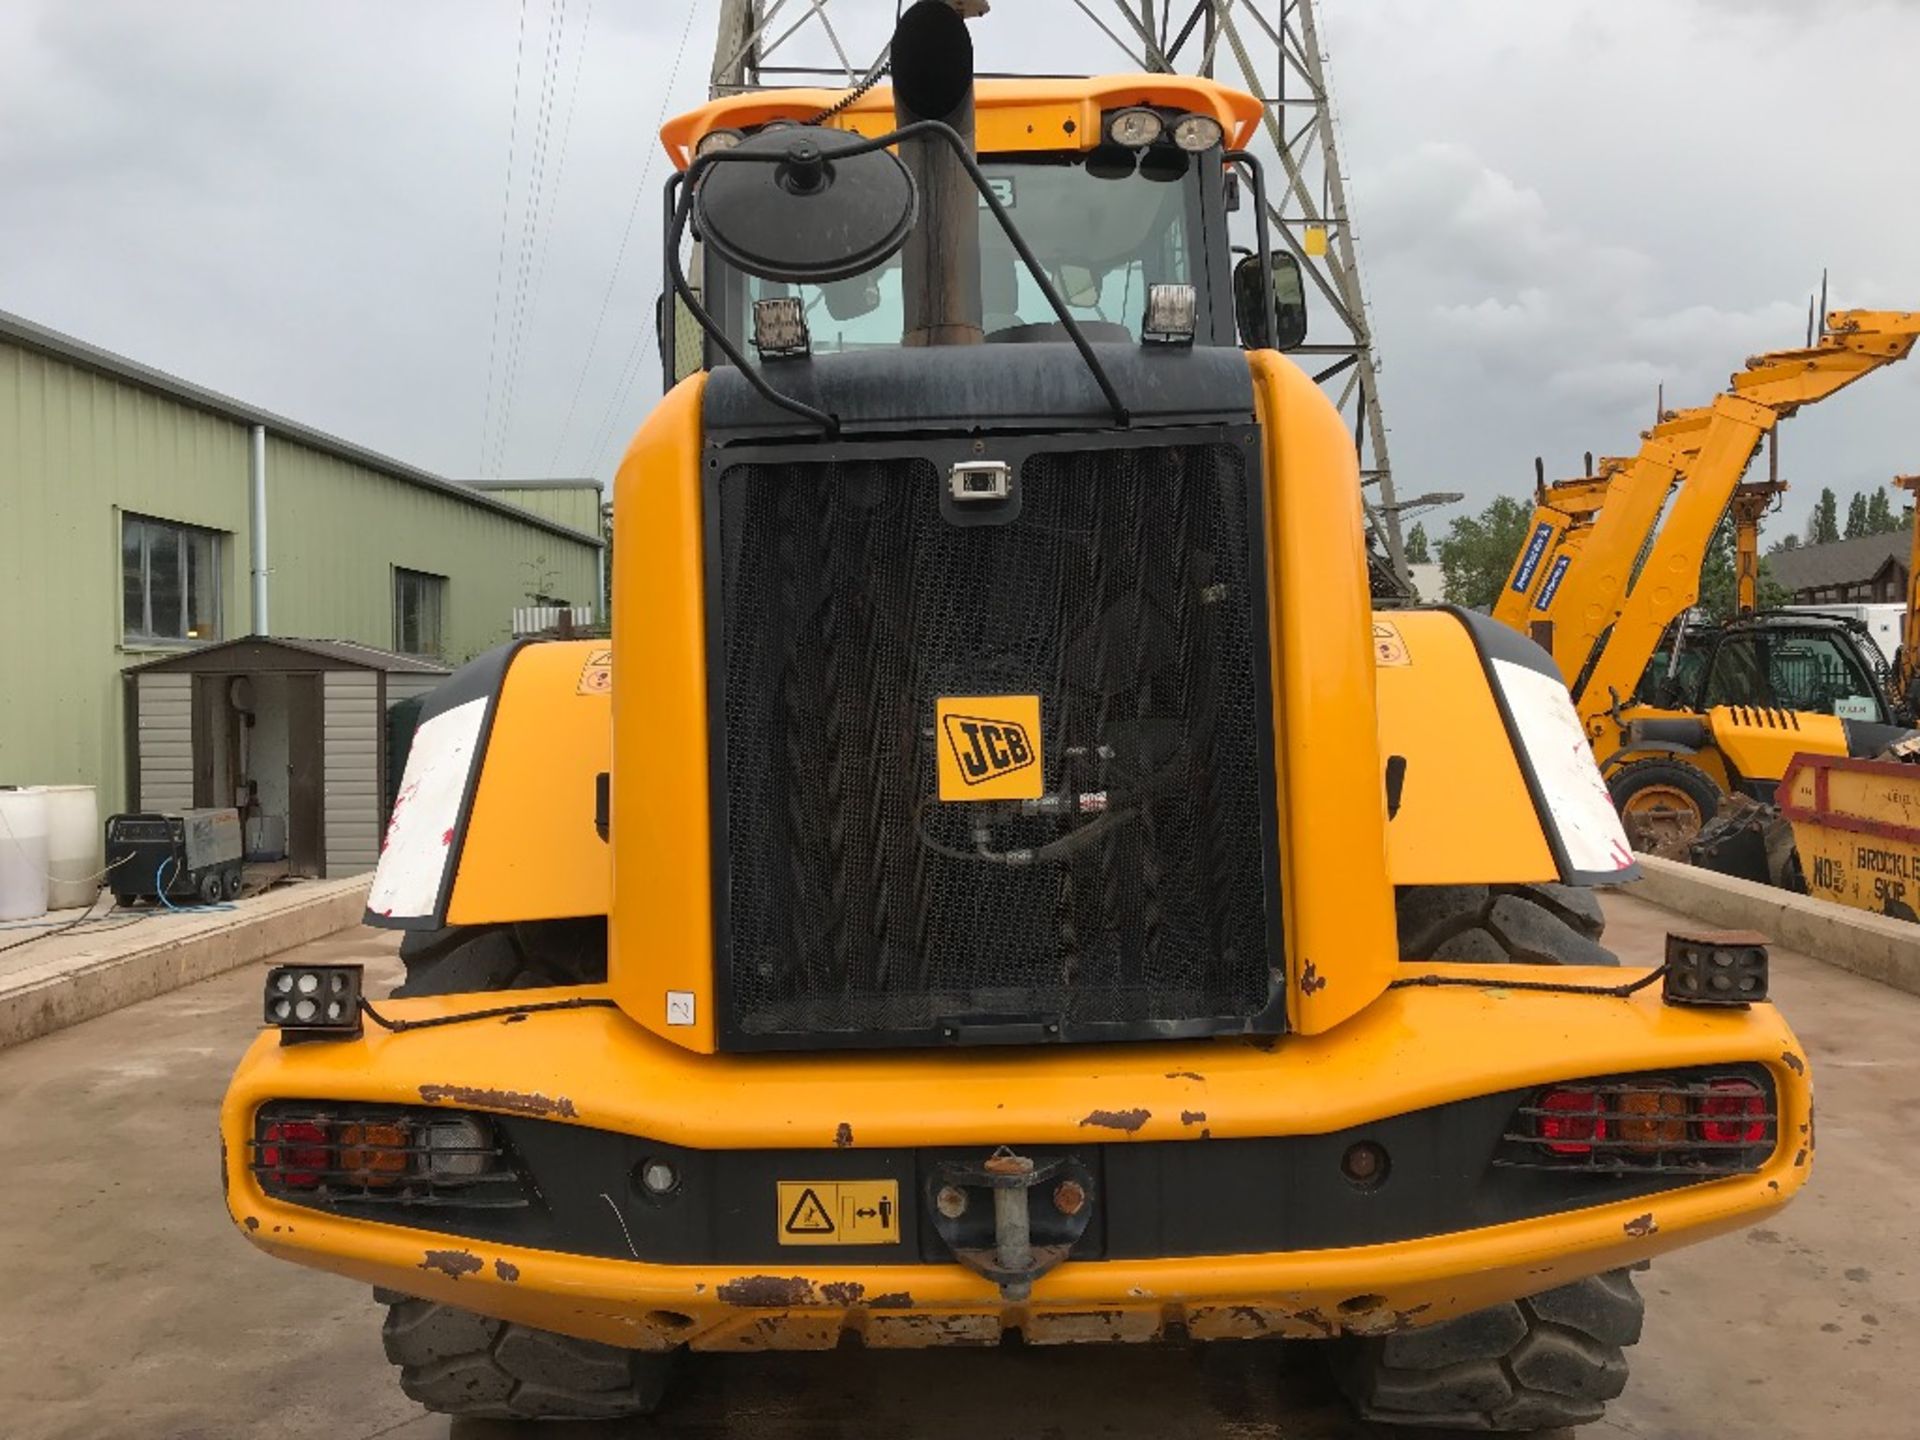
point(496, 815)
point(1489, 779)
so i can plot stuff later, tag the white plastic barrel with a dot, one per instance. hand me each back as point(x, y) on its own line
point(74, 846)
point(23, 854)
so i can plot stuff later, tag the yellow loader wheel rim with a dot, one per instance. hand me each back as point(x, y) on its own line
point(1664, 802)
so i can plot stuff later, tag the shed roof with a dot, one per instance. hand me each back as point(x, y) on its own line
point(279, 652)
point(1839, 562)
point(33, 336)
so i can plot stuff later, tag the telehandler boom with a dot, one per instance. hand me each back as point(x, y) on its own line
point(1006, 883)
point(1603, 591)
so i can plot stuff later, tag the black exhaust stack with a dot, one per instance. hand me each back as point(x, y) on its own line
point(940, 266)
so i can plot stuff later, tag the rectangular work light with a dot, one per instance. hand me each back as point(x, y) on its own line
point(322, 999)
point(780, 328)
point(1715, 967)
point(1172, 311)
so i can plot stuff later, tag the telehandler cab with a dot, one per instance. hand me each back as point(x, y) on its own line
point(1005, 882)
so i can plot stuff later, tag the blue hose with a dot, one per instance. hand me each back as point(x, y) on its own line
point(160, 889)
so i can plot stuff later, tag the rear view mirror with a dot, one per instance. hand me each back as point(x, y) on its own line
point(1289, 303)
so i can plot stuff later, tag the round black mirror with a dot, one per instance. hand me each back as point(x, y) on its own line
point(790, 204)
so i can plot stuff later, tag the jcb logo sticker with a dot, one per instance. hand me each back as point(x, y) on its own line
point(989, 747)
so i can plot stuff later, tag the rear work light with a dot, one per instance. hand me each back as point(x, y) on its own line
point(340, 1156)
point(313, 1001)
point(1698, 1123)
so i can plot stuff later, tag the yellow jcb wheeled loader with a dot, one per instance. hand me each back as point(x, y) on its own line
point(1004, 882)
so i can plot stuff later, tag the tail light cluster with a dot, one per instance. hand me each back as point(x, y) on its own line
point(1705, 1124)
point(365, 1154)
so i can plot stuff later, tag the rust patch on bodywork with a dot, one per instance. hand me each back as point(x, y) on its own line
point(769, 1291)
point(513, 1102)
point(892, 1300)
point(1127, 1120)
point(451, 1263)
point(506, 1270)
point(1186, 1075)
point(843, 1292)
point(1801, 1158)
point(1192, 1117)
point(1641, 1225)
point(1311, 980)
point(1793, 1062)
point(1382, 1321)
point(843, 1137)
point(1252, 1322)
point(251, 1223)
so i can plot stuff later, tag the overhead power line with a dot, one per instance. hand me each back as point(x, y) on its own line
point(633, 209)
point(500, 265)
point(530, 221)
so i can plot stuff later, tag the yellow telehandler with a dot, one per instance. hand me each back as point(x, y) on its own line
point(1680, 716)
point(1004, 883)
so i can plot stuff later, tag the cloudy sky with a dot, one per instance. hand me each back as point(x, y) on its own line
point(1560, 207)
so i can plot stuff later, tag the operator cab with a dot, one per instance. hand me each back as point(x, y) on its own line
point(1131, 230)
point(1825, 665)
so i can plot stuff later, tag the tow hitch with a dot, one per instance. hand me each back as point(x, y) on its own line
point(1011, 1218)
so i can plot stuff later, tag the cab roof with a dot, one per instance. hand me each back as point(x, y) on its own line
point(1009, 115)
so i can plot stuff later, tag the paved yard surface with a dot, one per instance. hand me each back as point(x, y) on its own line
point(129, 1307)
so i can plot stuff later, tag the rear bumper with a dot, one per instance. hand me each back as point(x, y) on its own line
point(1411, 1050)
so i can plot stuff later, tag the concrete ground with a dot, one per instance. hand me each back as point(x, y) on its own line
point(129, 1307)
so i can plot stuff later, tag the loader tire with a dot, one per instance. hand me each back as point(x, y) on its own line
point(1545, 924)
point(457, 1363)
point(471, 959)
point(1542, 1363)
point(1663, 803)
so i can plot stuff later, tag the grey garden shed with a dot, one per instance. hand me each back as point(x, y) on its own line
point(294, 733)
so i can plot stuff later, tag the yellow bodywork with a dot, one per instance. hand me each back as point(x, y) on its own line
point(1009, 115)
point(1411, 1049)
point(1428, 667)
point(530, 851)
point(1744, 742)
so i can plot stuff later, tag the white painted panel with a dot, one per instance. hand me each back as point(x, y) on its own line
point(414, 861)
point(1562, 762)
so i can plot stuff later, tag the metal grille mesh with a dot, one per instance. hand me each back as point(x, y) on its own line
point(1121, 596)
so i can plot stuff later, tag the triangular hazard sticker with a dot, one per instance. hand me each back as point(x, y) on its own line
point(809, 1216)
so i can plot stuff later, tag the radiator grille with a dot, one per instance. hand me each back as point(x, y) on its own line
point(1125, 595)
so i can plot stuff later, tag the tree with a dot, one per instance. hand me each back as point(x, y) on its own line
point(1417, 545)
point(1789, 542)
point(1719, 576)
point(1824, 527)
point(1857, 516)
point(1880, 519)
point(1479, 550)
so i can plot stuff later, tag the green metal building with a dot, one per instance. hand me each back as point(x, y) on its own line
point(140, 514)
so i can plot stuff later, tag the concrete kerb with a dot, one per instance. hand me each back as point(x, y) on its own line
point(69, 988)
point(1876, 946)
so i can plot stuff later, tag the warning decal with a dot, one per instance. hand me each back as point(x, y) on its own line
point(1389, 648)
point(838, 1212)
point(596, 676)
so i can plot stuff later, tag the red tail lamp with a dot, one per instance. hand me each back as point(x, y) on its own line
point(1571, 1122)
point(1733, 1114)
point(295, 1153)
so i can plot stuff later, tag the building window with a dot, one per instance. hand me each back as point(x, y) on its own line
point(418, 599)
point(169, 581)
